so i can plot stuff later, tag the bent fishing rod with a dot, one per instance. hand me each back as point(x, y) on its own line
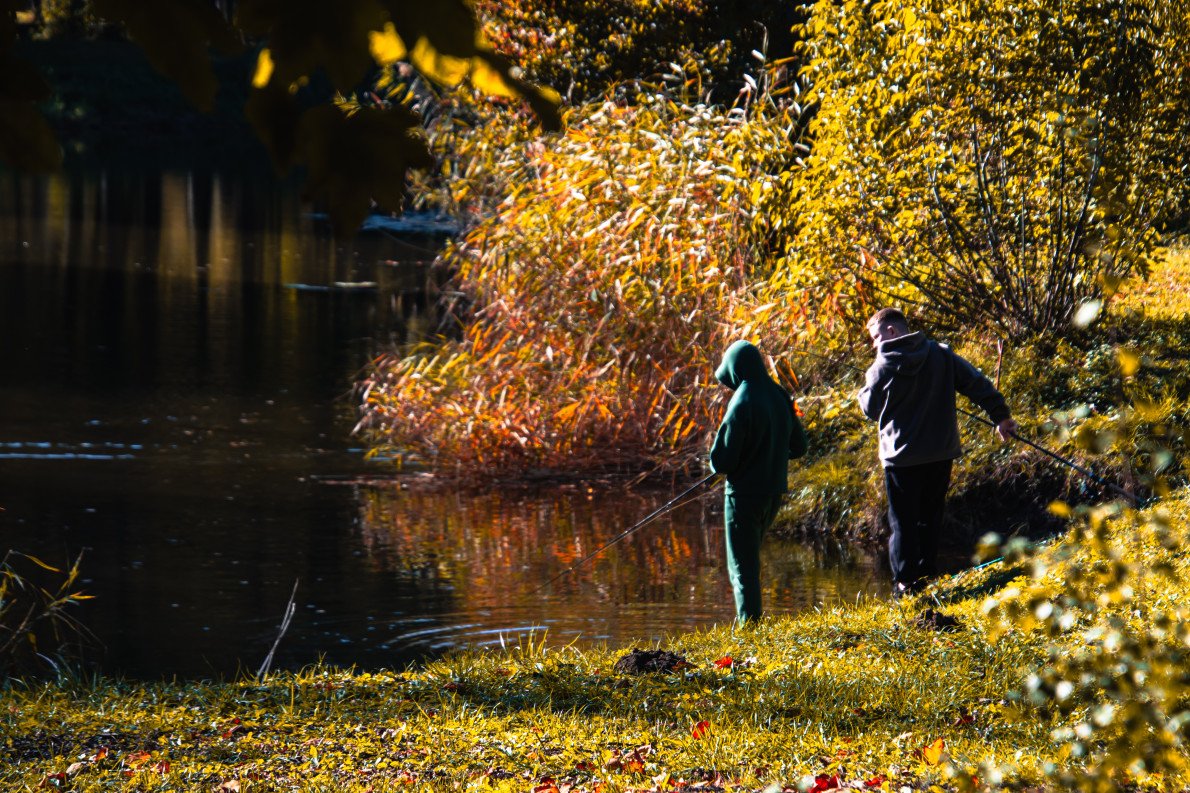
point(640, 524)
point(1135, 500)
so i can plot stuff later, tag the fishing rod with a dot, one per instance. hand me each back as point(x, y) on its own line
point(640, 524)
point(1135, 500)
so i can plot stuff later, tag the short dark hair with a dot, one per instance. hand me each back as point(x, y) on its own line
point(888, 316)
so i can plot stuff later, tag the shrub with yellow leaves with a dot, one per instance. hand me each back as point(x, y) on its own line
point(600, 298)
point(999, 163)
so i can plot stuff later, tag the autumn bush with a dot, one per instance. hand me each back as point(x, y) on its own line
point(584, 48)
point(994, 164)
point(595, 304)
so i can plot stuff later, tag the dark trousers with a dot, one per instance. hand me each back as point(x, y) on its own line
point(746, 520)
point(916, 505)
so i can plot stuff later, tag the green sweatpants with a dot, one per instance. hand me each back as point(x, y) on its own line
point(746, 519)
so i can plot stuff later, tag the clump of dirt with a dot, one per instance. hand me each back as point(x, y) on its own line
point(931, 620)
point(642, 662)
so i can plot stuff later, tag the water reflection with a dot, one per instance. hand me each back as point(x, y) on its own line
point(175, 373)
point(497, 551)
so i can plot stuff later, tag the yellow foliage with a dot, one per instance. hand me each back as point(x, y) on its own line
point(618, 273)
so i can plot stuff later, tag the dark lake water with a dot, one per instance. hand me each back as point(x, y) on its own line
point(176, 371)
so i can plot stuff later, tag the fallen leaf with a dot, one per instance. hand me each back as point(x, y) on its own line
point(932, 754)
point(700, 729)
point(824, 782)
point(875, 781)
point(137, 758)
point(725, 662)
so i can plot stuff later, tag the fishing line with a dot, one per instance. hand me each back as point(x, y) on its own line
point(673, 503)
point(1133, 499)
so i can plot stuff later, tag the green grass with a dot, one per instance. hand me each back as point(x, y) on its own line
point(868, 692)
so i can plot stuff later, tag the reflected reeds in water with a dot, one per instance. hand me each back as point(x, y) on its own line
point(496, 552)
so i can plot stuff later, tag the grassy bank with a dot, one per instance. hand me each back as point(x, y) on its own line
point(1065, 660)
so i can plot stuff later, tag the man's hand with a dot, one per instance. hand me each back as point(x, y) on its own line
point(1006, 429)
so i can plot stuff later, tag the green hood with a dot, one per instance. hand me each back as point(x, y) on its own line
point(741, 363)
point(759, 432)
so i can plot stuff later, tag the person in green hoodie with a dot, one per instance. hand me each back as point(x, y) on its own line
point(759, 434)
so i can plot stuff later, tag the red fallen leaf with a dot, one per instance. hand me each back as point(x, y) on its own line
point(53, 780)
point(235, 729)
point(798, 410)
point(700, 729)
point(725, 662)
point(875, 781)
point(102, 753)
point(964, 718)
point(548, 785)
point(825, 782)
point(162, 767)
point(137, 758)
point(450, 687)
point(583, 765)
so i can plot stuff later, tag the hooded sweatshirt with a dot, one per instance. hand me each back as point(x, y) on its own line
point(760, 432)
point(910, 394)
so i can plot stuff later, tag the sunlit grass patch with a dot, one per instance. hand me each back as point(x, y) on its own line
point(1165, 294)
